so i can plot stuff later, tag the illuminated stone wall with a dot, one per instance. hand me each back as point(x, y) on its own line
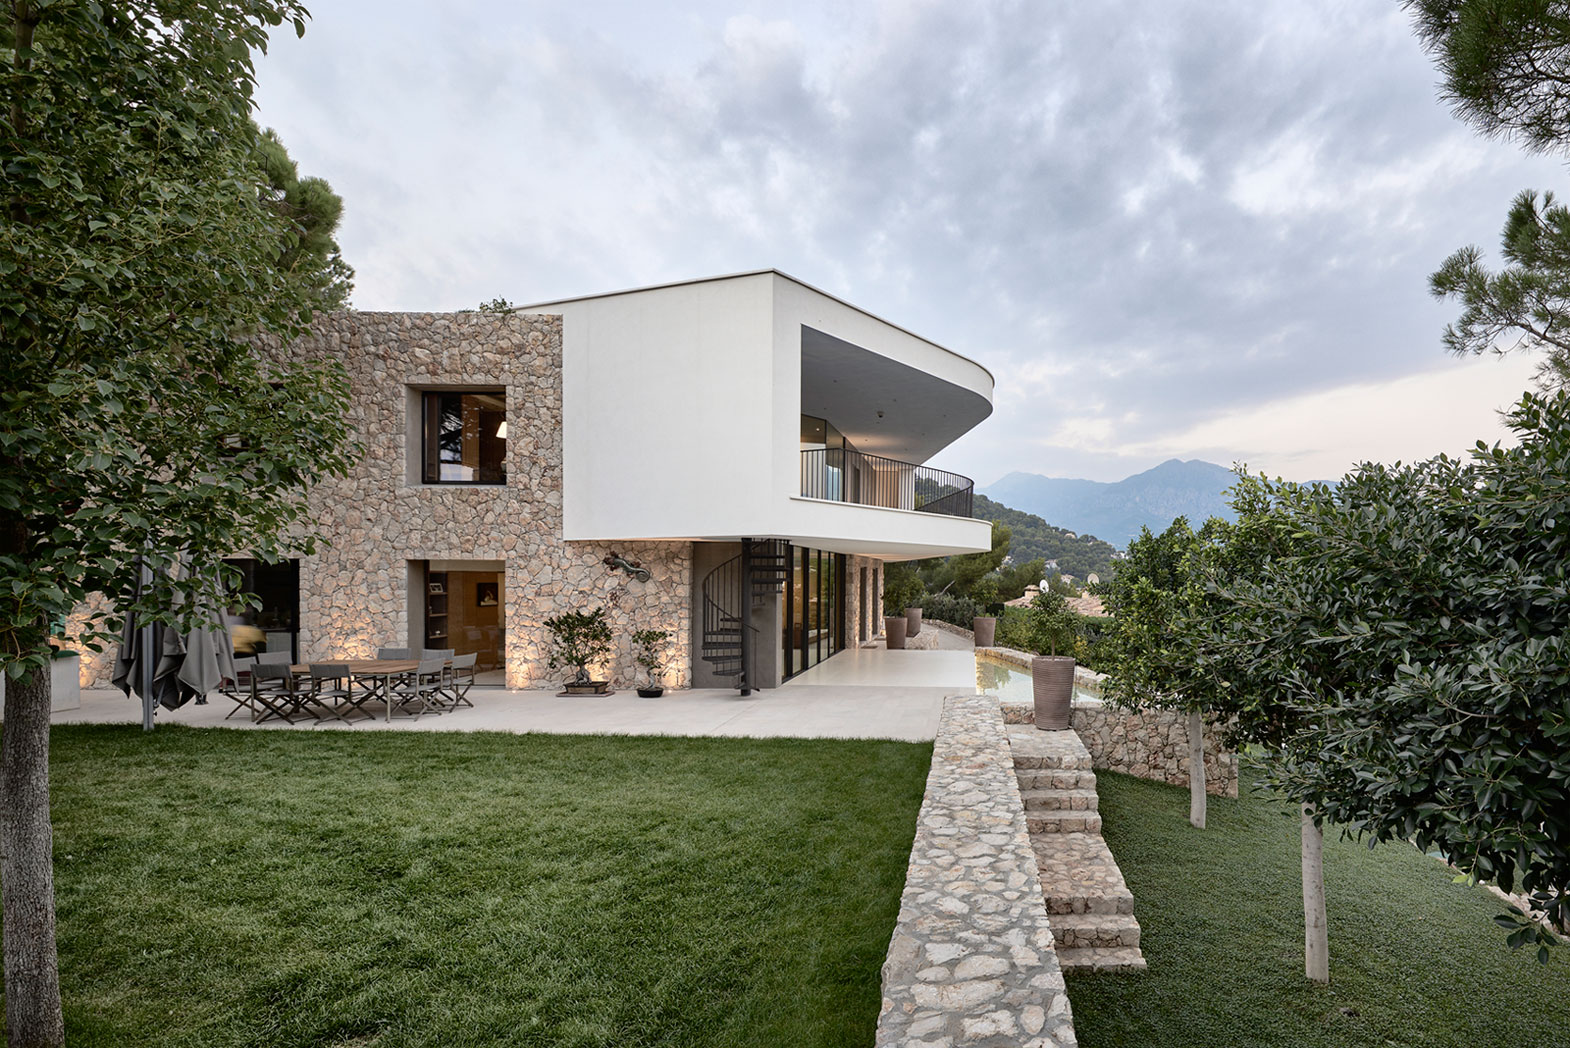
point(354, 595)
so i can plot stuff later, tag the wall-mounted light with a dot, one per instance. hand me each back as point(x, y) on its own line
point(501, 430)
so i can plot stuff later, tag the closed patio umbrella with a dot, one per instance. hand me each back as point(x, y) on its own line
point(141, 646)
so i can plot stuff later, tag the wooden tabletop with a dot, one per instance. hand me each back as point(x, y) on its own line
point(367, 667)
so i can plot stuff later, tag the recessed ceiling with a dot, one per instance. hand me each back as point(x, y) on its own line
point(882, 406)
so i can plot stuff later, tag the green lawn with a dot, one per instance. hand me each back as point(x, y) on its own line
point(1414, 958)
point(370, 888)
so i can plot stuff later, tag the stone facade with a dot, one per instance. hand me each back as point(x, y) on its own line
point(355, 594)
point(972, 958)
point(853, 566)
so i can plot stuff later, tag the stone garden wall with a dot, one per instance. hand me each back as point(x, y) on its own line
point(972, 959)
point(1150, 744)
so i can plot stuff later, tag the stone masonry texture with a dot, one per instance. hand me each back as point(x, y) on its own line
point(354, 593)
point(972, 959)
point(1148, 744)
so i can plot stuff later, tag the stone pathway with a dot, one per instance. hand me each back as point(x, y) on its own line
point(1089, 906)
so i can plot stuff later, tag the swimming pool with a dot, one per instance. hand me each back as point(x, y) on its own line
point(1011, 682)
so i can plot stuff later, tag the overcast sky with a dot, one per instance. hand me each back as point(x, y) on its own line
point(1171, 229)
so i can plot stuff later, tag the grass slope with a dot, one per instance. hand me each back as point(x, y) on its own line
point(285, 888)
point(1414, 958)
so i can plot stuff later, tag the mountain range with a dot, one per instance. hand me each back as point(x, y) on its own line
point(1116, 511)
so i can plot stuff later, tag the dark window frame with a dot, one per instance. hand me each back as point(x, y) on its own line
point(430, 472)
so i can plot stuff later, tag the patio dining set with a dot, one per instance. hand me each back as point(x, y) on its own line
point(398, 681)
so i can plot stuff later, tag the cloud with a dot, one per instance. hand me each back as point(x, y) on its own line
point(1145, 217)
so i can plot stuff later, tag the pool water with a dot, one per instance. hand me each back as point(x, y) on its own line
point(1012, 683)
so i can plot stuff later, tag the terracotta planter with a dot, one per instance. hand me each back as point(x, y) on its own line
point(894, 631)
point(985, 627)
point(912, 621)
point(1053, 678)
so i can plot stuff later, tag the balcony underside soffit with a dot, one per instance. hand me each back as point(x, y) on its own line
point(882, 406)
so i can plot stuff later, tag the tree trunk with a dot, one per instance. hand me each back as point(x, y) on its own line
point(1196, 769)
point(1316, 943)
point(27, 892)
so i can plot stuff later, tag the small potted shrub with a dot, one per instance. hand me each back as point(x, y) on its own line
point(577, 639)
point(1052, 626)
point(985, 627)
point(646, 646)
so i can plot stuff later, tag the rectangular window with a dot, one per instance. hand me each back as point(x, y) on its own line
point(465, 438)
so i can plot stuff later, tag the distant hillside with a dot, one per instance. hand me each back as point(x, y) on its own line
point(1034, 537)
point(1117, 511)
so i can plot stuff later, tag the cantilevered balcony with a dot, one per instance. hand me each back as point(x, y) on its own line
point(842, 475)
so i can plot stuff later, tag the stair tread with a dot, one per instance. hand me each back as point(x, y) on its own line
point(1101, 958)
point(1078, 872)
point(1050, 798)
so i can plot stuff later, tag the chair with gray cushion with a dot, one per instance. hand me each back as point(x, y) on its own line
point(460, 678)
point(421, 691)
point(273, 692)
point(331, 691)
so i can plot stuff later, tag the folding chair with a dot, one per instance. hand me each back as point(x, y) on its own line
point(392, 653)
point(330, 688)
point(461, 678)
point(238, 690)
point(422, 688)
point(273, 692)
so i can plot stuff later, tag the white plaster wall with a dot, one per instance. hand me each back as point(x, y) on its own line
point(682, 410)
point(796, 304)
point(666, 411)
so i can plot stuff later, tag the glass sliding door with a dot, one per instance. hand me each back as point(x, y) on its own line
point(814, 618)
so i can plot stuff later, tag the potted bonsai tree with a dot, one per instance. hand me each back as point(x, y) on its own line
point(577, 639)
point(1052, 626)
point(646, 647)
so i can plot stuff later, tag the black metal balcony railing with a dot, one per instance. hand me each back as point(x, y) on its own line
point(871, 480)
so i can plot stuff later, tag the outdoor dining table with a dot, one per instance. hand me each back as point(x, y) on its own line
point(381, 671)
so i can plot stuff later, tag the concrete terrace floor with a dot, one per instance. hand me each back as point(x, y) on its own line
point(862, 693)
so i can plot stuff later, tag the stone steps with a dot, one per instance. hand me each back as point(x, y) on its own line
point(1095, 930)
point(1088, 904)
point(1036, 750)
point(1058, 821)
point(1101, 959)
point(1079, 875)
point(1059, 800)
point(1055, 779)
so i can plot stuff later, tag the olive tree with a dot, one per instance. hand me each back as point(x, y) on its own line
point(141, 420)
point(1158, 600)
point(1413, 641)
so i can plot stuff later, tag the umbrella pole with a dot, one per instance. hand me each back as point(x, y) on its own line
point(147, 678)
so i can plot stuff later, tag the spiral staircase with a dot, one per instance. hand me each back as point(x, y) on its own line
point(728, 593)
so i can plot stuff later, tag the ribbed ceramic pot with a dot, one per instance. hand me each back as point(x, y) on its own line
point(986, 630)
point(894, 632)
point(912, 621)
point(1053, 678)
